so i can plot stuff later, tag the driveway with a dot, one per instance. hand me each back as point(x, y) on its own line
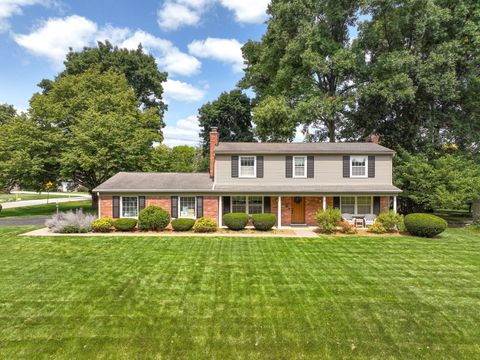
point(24, 221)
point(15, 204)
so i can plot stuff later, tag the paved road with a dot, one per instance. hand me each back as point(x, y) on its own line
point(21, 203)
point(36, 221)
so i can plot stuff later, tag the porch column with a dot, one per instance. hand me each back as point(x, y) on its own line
point(324, 203)
point(394, 204)
point(220, 208)
point(279, 212)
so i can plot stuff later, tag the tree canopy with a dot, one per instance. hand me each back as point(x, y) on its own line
point(231, 114)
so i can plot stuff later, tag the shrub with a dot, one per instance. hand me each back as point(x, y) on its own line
point(205, 225)
point(70, 222)
point(235, 221)
point(183, 224)
point(264, 222)
point(426, 225)
point(401, 223)
point(102, 225)
point(125, 224)
point(153, 218)
point(390, 221)
point(347, 228)
point(327, 220)
point(377, 228)
point(1, 207)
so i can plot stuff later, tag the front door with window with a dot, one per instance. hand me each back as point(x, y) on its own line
point(298, 210)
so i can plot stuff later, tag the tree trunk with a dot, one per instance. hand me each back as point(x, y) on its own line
point(331, 131)
point(94, 196)
point(476, 211)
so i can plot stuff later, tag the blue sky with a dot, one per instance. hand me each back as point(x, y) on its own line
point(196, 41)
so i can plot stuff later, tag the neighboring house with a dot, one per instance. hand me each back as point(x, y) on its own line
point(291, 180)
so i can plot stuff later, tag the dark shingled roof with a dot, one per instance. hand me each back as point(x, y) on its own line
point(157, 182)
point(301, 148)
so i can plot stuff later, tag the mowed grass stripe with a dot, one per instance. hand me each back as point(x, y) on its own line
point(248, 298)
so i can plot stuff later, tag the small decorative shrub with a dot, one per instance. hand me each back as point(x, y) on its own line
point(102, 225)
point(153, 218)
point(264, 222)
point(347, 228)
point(205, 225)
point(183, 224)
point(70, 222)
point(235, 221)
point(389, 220)
point(125, 224)
point(426, 225)
point(377, 228)
point(327, 220)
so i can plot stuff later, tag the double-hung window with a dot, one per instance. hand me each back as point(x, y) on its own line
point(247, 166)
point(364, 205)
point(247, 204)
point(255, 205)
point(299, 166)
point(358, 166)
point(347, 204)
point(187, 207)
point(129, 207)
point(239, 204)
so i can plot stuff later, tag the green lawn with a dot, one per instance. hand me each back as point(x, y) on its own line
point(46, 209)
point(246, 298)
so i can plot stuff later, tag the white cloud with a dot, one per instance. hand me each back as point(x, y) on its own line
point(182, 91)
point(54, 36)
point(177, 13)
point(9, 8)
point(184, 132)
point(224, 50)
point(247, 11)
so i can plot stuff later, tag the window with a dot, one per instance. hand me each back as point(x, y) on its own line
point(255, 205)
point(187, 207)
point(358, 166)
point(129, 207)
point(239, 204)
point(299, 166)
point(247, 166)
point(347, 204)
point(364, 205)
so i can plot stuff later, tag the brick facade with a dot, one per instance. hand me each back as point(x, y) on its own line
point(105, 206)
point(159, 200)
point(384, 203)
point(329, 202)
point(312, 205)
point(210, 207)
point(286, 208)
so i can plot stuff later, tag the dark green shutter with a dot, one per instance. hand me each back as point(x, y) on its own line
point(267, 207)
point(371, 166)
point(259, 166)
point(141, 203)
point(226, 204)
point(234, 166)
point(174, 207)
point(199, 207)
point(376, 205)
point(288, 166)
point(346, 166)
point(336, 202)
point(116, 207)
point(310, 166)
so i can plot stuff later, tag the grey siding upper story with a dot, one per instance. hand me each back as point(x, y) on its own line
point(328, 170)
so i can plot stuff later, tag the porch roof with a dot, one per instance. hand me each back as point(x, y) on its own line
point(308, 189)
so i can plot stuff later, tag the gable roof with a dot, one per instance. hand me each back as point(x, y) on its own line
point(301, 148)
point(157, 182)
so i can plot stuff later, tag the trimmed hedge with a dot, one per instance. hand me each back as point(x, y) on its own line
point(235, 221)
point(182, 224)
point(426, 225)
point(102, 225)
point(264, 222)
point(205, 225)
point(153, 218)
point(125, 224)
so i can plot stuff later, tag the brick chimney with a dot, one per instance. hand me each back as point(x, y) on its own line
point(213, 142)
point(373, 138)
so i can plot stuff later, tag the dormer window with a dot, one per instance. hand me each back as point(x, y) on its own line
point(299, 166)
point(358, 166)
point(247, 166)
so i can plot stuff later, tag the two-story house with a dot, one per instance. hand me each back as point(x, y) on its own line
point(291, 180)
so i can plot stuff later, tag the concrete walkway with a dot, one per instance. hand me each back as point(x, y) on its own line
point(294, 232)
point(24, 221)
point(22, 203)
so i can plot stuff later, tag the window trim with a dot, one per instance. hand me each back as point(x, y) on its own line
point(355, 211)
point(247, 202)
point(121, 206)
point(304, 167)
point(366, 167)
point(179, 208)
point(254, 167)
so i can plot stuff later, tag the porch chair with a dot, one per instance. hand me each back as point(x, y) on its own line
point(348, 218)
point(370, 219)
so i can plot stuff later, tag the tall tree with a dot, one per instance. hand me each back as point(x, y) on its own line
point(7, 112)
point(182, 158)
point(97, 126)
point(231, 114)
point(139, 68)
point(273, 120)
point(420, 87)
point(306, 57)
